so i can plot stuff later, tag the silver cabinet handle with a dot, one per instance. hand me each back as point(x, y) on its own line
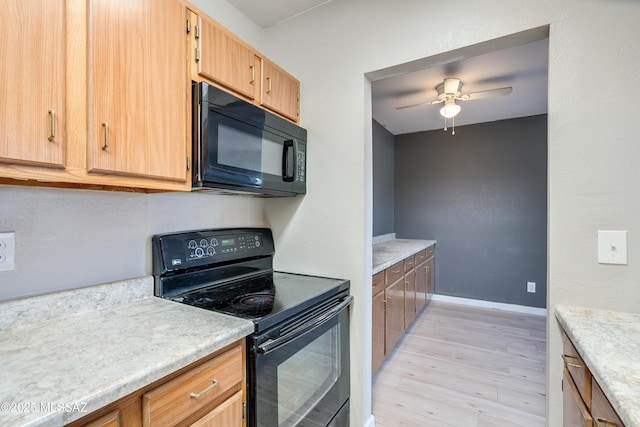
point(52, 136)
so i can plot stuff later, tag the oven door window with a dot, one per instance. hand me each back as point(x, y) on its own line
point(241, 154)
point(306, 381)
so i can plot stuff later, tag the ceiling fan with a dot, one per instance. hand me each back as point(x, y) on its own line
point(449, 91)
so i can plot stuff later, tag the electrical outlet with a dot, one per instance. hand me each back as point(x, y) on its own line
point(7, 251)
point(531, 287)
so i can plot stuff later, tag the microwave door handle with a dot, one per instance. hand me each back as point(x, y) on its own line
point(313, 324)
point(288, 161)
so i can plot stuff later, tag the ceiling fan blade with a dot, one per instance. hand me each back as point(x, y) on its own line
point(416, 105)
point(487, 93)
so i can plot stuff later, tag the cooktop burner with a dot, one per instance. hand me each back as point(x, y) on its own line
point(250, 298)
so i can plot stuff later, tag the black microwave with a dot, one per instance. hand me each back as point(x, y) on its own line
point(243, 149)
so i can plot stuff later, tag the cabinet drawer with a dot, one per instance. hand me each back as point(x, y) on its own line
point(429, 251)
point(181, 397)
point(394, 272)
point(421, 256)
point(577, 369)
point(378, 282)
point(601, 410)
point(409, 263)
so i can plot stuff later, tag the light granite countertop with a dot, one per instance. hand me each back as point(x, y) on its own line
point(609, 343)
point(388, 251)
point(67, 354)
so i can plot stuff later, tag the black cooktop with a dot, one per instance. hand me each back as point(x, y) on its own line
point(268, 299)
point(230, 271)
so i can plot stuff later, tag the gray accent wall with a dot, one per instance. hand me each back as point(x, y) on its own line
point(383, 170)
point(482, 194)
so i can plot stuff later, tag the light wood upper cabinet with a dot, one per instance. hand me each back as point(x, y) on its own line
point(137, 88)
point(225, 59)
point(32, 82)
point(280, 91)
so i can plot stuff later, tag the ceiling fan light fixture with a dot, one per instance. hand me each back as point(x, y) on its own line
point(450, 109)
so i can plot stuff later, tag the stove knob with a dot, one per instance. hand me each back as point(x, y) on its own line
point(192, 244)
point(199, 252)
point(211, 251)
point(214, 242)
point(204, 243)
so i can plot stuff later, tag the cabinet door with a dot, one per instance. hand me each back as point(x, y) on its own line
point(138, 88)
point(280, 91)
point(574, 411)
point(409, 297)
point(601, 410)
point(32, 82)
point(421, 286)
point(227, 414)
point(377, 345)
point(225, 59)
point(430, 277)
point(394, 295)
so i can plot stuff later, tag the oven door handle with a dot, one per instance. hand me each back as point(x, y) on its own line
point(307, 327)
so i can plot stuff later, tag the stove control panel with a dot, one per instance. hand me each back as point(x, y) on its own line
point(208, 247)
point(229, 244)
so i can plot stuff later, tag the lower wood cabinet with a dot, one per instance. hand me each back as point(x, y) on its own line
point(378, 320)
point(209, 392)
point(399, 294)
point(584, 402)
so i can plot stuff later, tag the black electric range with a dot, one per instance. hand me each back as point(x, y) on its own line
point(298, 356)
point(231, 271)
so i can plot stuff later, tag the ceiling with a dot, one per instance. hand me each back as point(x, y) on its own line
point(523, 67)
point(267, 13)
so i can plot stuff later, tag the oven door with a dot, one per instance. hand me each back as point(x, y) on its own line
point(299, 375)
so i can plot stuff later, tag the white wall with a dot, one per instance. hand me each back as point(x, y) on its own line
point(594, 181)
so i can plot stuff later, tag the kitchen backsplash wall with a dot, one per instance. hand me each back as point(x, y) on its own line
point(67, 239)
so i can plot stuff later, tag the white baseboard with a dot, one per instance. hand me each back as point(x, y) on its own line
point(490, 304)
point(371, 422)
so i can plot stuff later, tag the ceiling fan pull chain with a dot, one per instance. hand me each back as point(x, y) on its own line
point(445, 124)
point(453, 128)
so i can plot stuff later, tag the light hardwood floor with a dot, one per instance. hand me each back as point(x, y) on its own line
point(463, 366)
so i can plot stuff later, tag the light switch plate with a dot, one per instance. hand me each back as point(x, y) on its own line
point(612, 247)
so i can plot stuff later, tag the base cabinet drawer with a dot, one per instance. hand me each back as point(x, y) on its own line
point(209, 392)
point(190, 392)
